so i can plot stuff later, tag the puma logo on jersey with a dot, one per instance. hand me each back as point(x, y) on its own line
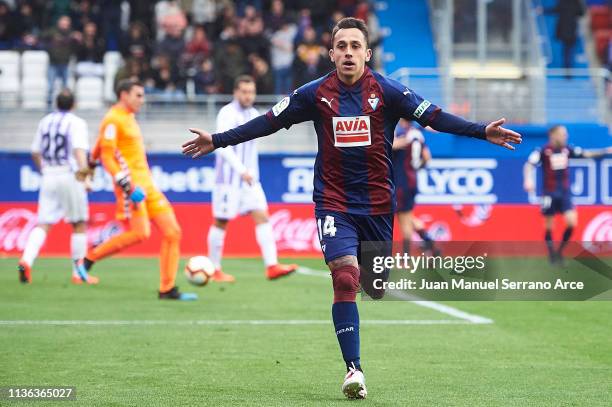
point(352, 131)
point(329, 102)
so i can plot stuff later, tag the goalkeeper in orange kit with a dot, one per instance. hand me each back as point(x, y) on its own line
point(120, 148)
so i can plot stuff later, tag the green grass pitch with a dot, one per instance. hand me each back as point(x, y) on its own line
point(534, 353)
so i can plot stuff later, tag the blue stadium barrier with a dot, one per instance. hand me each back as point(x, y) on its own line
point(495, 174)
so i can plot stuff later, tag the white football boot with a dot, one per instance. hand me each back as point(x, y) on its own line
point(354, 384)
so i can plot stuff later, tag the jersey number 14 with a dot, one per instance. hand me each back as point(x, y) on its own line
point(328, 228)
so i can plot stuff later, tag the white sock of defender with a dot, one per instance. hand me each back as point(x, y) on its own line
point(78, 248)
point(267, 243)
point(34, 243)
point(216, 239)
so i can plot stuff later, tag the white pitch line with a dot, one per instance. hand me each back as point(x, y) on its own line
point(442, 308)
point(445, 309)
point(265, 322)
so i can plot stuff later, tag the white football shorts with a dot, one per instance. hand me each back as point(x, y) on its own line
point(229, 201)
point(62, 196)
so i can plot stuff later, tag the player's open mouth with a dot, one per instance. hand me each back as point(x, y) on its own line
point(348, 64)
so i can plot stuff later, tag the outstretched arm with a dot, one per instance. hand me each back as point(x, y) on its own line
point(411, 106)
point(493, 132)
point(205, 142)
point(597, 153)
point(291, 110)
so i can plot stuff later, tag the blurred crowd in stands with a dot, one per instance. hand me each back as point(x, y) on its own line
point(499, 21)
point(281, 43)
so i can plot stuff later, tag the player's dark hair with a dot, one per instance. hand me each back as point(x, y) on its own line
point(243, 79)
point(351, 22)
point(65, 100)
point(126, 85)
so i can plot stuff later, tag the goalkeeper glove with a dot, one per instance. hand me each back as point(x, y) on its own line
point(138, 195)
point(123, 181)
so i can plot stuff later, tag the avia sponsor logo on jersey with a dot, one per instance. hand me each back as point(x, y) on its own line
point(468, 181)
point(352, 131)
point(559, 161)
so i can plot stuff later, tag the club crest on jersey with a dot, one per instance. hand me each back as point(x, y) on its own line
point(352, 131)
point(373, 101)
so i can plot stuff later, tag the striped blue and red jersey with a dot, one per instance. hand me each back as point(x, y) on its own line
point(355, 127)
point(408, 160)
point(555, 167)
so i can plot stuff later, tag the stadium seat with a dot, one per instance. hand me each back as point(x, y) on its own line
point(34, 92)
point(600, 17)
point(112, 62)
point(34, 63)
point(89, 92)
point(9, 77)
point(34, 84)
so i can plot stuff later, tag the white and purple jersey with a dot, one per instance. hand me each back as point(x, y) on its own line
point(58, 135)
point(232, 161)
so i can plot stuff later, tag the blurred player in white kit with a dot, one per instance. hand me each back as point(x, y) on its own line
point(59, 151)
point(237, 189)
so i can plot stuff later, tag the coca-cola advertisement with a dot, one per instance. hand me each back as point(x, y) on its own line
point(295, 229)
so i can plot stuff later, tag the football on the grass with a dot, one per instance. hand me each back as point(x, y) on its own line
point(199, 269)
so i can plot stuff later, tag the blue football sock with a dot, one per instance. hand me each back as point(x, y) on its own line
point(346, 322)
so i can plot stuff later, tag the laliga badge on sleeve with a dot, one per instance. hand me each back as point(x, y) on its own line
point(281, 106)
